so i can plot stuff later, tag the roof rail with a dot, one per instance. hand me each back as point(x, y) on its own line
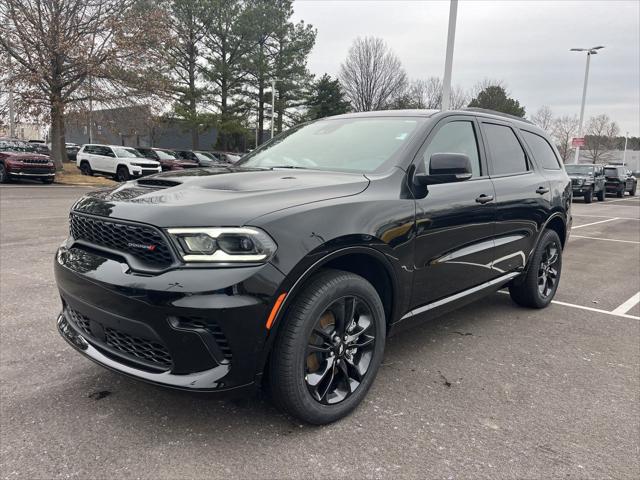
point(499, 114)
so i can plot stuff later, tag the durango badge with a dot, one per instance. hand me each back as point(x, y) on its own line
point(149, 248)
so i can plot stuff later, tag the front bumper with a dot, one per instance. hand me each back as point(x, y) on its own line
point(614, 186)
point(197, 329)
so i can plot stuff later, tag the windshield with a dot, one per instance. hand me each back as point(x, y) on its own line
point(123, 152)
point(582, 169)
point(203, 156)
point(166, 154)
point(611, 172)
point(16, 146)
point(347, 144)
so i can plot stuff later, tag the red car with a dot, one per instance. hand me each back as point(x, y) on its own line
point(167, 158)
point(18, 160)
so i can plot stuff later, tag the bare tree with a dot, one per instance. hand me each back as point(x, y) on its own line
point(600, 138)
point(563, 131)
point(372, 74)
point(57, 45)
point(543, 118)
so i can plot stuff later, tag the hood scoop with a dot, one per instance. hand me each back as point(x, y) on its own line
point(157, 183)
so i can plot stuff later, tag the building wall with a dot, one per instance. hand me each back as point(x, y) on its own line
point(26, 131)
point(632, 158)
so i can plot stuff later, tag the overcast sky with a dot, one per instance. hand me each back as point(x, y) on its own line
point(525, 44)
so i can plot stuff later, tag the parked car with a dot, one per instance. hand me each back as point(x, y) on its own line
point(120, 162)
point(226, 157)
point(296, 263)
point(72, 151)
point(204, 159)
point(168, 159)
point(587, 181)
point(19, 160)
point(619, 181)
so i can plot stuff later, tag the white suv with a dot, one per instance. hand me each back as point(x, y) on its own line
point(121, 162)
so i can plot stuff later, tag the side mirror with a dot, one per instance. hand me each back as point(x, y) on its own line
point(446, 168)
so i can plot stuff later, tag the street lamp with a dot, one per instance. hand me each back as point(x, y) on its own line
point(448, 62)
point(273, 102)
point(590, 51)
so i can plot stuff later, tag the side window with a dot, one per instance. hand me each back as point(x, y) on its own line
point(455, 137)
point(507, 155)
point(542, 151)
point(89, 149)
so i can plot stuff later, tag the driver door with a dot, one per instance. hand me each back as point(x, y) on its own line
point(455, 222)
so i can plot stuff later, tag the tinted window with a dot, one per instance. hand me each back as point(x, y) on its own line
point(613, 172)
point(455, 137)
point(542, 151)
point(104, 151)
point(507, 155)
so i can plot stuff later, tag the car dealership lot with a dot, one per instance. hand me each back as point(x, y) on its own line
point(492, 390)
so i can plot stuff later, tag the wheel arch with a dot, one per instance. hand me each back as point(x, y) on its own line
point(365, 261)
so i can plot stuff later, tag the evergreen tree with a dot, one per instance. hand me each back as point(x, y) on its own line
point(494, 97)
point(327, 98)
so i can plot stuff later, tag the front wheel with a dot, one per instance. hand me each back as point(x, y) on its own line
point(632, 192)
point(122, 174)
point(329, 348)
point(47, 180)
point(4, 176)
point(539, 285)
point(601, 195)
point(620, 193)
point(588, 196)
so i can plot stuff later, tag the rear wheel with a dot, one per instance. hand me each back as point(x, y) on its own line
point(85, 168)
point(632, 192)
point(329, 348)
point(588, 196)
point(601, 195)
point(4, 176)
point(539, 285)
point(122, 174)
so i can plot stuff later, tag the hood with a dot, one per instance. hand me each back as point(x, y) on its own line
point(25, 155)
point(218, 196)
point(580, 176)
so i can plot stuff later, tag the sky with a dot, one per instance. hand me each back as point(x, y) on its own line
point(523, 43)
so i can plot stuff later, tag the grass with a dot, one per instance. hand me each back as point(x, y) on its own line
point(70, 175)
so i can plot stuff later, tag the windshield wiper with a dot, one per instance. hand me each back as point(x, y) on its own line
point(289, 166)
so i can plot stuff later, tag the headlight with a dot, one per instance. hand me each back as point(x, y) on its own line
point(223, 244)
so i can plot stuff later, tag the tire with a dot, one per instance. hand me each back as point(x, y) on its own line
point(4, 176)
point(526, 291)
point(588, 196)
point(312, 376)
point(47, 180)
point(632, 192)
point(601, 195)
point(85, 168)
point(122, 174)
point(620, 193)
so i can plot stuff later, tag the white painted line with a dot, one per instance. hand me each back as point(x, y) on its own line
point(605, 216)
point(628, 305)
point(590, 309)
point(623, 200)
point(606, 239)
point(594, 223)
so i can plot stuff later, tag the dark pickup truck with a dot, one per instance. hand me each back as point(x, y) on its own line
point(618, 180)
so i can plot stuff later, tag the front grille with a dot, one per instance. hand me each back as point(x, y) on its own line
point(144, 243)
point(213, 328)
point(37, 161)
point(130, 345)
point(37, 171)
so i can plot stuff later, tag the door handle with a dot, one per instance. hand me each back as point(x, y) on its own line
point(482, 199)
point(542, 190)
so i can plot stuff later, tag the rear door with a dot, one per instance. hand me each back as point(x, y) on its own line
point(454, 221)
point(523, 197)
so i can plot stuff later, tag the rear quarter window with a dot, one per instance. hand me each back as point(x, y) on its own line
point(542, 151)
point(507, 156)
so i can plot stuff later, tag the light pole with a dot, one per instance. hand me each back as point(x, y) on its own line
point(590, 51)
point(273, 102)
point(448, 62)
point(624, 154)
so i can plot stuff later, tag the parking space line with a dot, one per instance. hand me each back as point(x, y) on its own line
point(594, 223)
point(590, 309)
point(605, 216)
point(605, 239)
point(628, 305)
point(622, 199)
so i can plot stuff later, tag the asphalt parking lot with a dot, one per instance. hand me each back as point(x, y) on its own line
point(490, 391)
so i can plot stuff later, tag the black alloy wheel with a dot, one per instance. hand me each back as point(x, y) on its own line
point(537, 286)
point(548, 273)
point(340, 349)
point(85, 169)
point(328, 348)
point(122, 174)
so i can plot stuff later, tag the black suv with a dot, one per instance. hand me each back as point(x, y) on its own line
point(620, 180)
point(293, 266)
point(587, 181)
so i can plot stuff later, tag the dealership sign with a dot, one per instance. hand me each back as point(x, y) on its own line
point(577, 142)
